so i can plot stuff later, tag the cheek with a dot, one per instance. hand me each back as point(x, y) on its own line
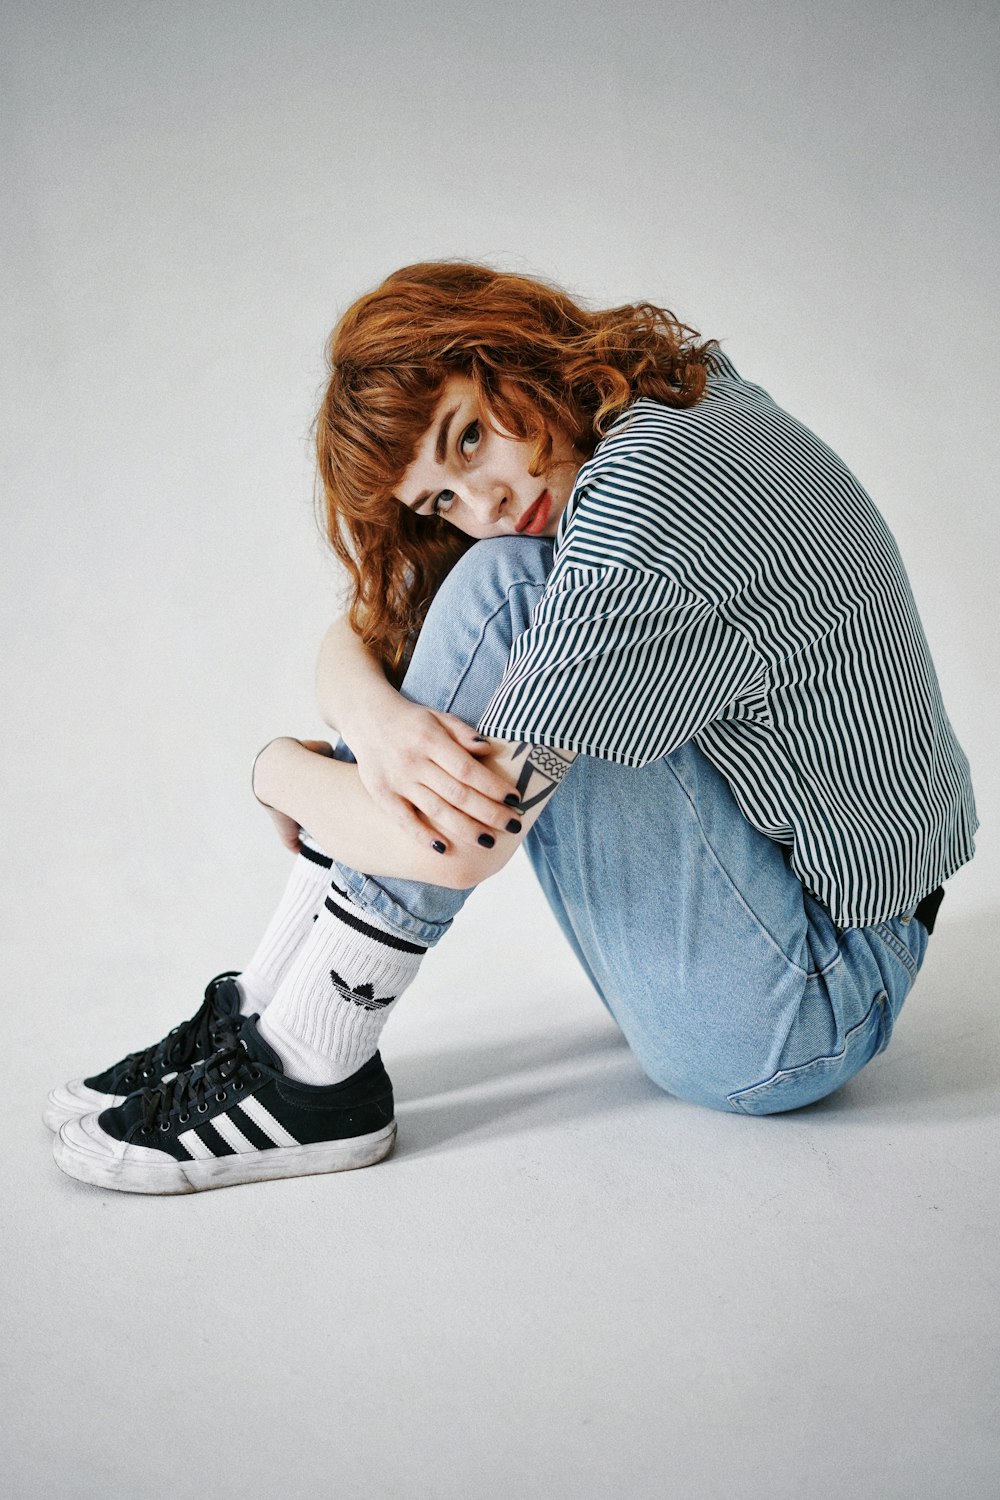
point(468, 529)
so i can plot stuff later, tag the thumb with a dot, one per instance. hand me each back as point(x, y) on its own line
point(466, 735)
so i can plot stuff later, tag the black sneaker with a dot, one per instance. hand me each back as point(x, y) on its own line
point(216, 1021)
point(234, 1118)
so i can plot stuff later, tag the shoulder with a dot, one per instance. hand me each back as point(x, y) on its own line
point(650, 443)
point(625, 504)
point(666, 481)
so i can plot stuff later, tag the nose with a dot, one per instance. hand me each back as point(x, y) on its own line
point(489, 498)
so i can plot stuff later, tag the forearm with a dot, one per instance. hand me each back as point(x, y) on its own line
point(327, 797)
point(350, 682)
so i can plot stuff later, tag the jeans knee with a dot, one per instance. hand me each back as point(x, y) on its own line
point(486, 576)
point(481, 608)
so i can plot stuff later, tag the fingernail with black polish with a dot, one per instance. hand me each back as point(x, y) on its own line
point(487, 840)
point(438, 846)
point(512, 799)
point(513, 826)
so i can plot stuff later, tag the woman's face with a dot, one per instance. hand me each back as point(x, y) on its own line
point(478, 478)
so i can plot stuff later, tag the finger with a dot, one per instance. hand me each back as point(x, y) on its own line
point(410, 821)
point(466, 735)
point(484, 779)
point(453, 826)
point(498, 817)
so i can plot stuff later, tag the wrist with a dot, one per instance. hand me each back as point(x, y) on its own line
point(368, 710)
point(263, 777)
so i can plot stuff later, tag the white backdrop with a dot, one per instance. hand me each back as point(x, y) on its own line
point(194, 191)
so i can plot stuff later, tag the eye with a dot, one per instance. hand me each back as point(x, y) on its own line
point(470, 438)
point(443, 502)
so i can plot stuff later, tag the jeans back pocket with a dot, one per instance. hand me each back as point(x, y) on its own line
point(791, 1088)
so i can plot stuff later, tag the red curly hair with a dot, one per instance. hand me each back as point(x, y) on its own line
point(538, 362)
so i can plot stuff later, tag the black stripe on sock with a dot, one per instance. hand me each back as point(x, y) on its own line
point(250, 1129)
point(387, 938)
point(315, 857)
point(213, 1140)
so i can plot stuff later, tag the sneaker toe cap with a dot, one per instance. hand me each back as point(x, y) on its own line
point(73, 1099)
point(85, 1135)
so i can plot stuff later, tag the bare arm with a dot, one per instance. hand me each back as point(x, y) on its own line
point(351, 688)
point(329, 799)
point(425, 769)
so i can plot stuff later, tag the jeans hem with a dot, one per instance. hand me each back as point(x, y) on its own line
point(367, 893)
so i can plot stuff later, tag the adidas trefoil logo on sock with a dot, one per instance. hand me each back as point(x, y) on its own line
point(364, 995)
point(322, 1025)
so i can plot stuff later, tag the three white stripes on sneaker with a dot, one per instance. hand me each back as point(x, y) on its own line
point(227, 1126)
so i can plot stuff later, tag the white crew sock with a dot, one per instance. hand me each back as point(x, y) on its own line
point(289, 927)
point(327, 1016)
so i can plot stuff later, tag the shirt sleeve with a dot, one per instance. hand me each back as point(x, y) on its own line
point(621, 663)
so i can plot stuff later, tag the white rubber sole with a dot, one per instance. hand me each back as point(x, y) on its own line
point(168, 1176)
point(71, 1100)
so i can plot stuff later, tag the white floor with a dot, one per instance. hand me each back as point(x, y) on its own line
point(563, 1283)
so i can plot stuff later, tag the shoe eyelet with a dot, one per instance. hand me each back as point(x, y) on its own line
point(145, 1130)
point(147, 1072)
point(255, 1075)
point(221, 1098)
point(203, 1109)
point(239, 1084)
point(164, 1124)
point(184, 1118)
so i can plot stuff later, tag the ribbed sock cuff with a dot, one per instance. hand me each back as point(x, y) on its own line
point(328, 1014)
point(288, 928)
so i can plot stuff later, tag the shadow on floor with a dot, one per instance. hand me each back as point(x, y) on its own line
point(519, 1084)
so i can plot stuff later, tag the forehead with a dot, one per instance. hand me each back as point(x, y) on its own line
point(457, 391)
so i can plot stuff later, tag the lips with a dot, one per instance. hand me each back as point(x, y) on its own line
point(536, 517)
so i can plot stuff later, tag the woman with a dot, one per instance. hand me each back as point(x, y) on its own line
point(684, 668)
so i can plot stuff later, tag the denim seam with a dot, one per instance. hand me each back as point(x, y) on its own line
point(520, 583)
point(897, 948)
point(739, 894)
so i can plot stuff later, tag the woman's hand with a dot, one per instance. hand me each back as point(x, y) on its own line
point(425, 770)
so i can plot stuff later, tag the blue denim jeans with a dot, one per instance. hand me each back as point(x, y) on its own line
point(732, 986)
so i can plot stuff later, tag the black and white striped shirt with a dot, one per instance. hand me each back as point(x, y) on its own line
point(721, 576)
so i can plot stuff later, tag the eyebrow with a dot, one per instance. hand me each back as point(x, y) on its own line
point(440, 448)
